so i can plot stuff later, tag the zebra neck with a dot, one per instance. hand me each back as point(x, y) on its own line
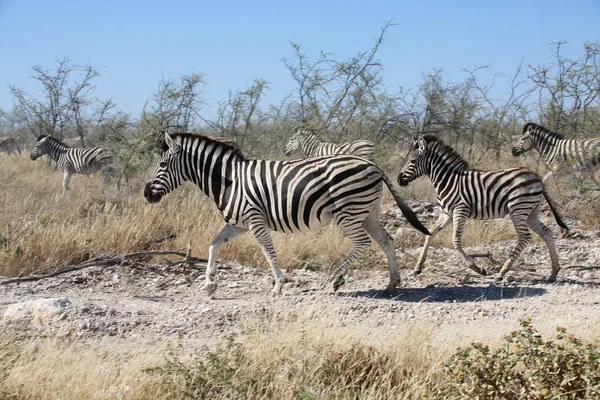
point(546, 145)
point(309, 143)
point(444, 174)
point(213, 173)
point(56, 150)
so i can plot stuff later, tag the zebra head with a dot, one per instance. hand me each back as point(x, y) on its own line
point(167, 174)
point(293, 144)
point(414, 166)
point(526, 141)
point(41, 147)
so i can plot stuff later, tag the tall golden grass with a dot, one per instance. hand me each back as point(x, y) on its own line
point(40, 229)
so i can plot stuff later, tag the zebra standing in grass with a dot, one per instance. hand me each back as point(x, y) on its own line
point(305, 139)
point(10, 146)
point(464, 193)
point(558, 152)
point(71, 160)
point(285, 196)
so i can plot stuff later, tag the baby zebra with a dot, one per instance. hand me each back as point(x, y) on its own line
point(10, 146)
point(463, 193)
point(287, 196)
point(71, 160)
point(306, 139)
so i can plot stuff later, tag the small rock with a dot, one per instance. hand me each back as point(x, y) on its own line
point(36, 313)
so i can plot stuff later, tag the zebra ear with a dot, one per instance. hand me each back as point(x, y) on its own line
point(171, 144)
point(422, 145)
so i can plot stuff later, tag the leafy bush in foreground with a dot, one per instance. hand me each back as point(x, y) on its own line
point(525, 367)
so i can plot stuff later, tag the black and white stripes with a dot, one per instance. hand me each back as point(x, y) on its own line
point(306, 140)
point(557, 151)
point(10, 146)
point(71, 160)
point(464, 193)
point(286, 196)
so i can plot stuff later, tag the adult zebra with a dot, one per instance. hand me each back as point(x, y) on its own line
point(556, 151)
point(465, 193)
point(10, 146)
point(71, 160)
point(286, 196)
point(306, 140)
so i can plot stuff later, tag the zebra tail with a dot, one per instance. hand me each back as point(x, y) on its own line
point(559, 221)
point(408, 213)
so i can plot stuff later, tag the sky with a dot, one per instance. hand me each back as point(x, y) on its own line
point(135, 43)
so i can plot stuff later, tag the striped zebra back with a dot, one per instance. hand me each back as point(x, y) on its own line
point(306, 139)
point(555, 149)
point(9, 146)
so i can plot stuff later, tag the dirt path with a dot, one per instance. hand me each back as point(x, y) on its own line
point(124, 304)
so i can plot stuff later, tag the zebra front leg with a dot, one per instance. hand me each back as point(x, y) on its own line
point(262, 234)
point(460, 219)
point(524, 237)
point(443, 221)
point(229, 232)
point(385, 241)
point(546, 234)
point(354, 231)
point(66, 180)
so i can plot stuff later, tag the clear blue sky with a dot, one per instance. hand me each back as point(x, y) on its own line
point(135, 42)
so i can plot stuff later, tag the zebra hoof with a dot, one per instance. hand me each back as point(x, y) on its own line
point(210, 288)
point(552, 279)
point(417, 272)
point(498, 278)
point(338, 283)
point(483, 272)
point(390, 292)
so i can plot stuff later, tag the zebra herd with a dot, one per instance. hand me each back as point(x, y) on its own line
point(336, 182)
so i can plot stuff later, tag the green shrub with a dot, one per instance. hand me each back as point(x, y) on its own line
point(525, 367)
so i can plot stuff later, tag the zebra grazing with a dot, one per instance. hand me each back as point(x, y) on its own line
point(71, 160)
point(286, 196)
point(466, 193)
point(557, 151)
point(10, 146)
point(305, 139)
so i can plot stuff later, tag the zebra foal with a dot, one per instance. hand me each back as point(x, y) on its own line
point(464, 193)
point(306, 140)
point(71, 160)
point(261, 196)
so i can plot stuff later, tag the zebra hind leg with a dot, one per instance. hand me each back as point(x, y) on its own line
point(385, 241)
point(546, 234)
point(229, 232)
point(262, 234)
point(354, 230)
point(521, 222)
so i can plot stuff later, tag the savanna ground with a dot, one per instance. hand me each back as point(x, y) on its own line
point(143, 328)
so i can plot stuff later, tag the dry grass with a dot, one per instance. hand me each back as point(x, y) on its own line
point(306, 355)
point(40, 229)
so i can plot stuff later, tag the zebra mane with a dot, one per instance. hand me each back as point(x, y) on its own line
point(543, 130)
point(41, 137)
point(221, 142)
point(447, 153)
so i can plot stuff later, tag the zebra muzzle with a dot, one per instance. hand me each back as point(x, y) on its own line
point(151, 195)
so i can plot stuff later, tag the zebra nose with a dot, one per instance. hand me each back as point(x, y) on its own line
point(149, 195)
point(401, 180)
point(515, 151)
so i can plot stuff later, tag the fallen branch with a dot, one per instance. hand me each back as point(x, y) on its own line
point(111, 260)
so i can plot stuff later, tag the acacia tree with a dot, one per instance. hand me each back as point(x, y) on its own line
point(67, 106)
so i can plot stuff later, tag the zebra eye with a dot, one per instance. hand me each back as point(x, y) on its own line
point(163, 164)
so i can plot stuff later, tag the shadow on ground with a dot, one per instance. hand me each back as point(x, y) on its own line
point(459, 294)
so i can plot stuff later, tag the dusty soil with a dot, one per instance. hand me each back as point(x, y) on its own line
point(162, 301)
